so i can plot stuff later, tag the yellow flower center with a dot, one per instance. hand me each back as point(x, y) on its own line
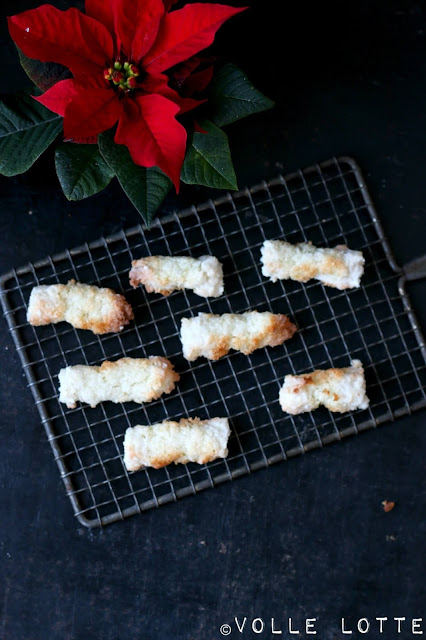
point(123, 75)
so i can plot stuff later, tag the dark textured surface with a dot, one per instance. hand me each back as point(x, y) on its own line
point(304, 539)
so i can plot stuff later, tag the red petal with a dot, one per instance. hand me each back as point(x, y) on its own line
point(154, 137)
point(168, 4)
point(91, 112)
point(101, 10)
point(198, 128)
point(180, 72)
point(197, 82)
point(137, 25)
point(68, 37)
point(183, 70)
point(186, 31)
point(58, 97)
point(187, 104)
point(158, 84)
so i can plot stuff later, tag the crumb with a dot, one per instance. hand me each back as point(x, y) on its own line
point(387, 505)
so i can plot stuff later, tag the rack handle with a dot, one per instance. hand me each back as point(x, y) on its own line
point(416, 269)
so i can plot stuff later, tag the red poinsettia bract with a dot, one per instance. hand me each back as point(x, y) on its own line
point(117, 53)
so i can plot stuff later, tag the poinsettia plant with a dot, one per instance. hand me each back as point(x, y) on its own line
point(124, 91)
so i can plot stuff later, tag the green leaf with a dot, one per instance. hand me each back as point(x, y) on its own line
point(145, 188)
point(81, 170)
point(232, 96)
point(43, 74)
point(208, 159)
point(26, 130)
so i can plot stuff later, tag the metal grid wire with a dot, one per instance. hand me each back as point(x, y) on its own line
point(327, 204)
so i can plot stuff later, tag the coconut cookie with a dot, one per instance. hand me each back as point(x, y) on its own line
point(84, 306)
point(164, 274)
point(189, 440)
point(212, 336)
point(126, 380)
point(339, 390)
point(340, 267)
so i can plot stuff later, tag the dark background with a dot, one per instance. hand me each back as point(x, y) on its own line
point(307, 538)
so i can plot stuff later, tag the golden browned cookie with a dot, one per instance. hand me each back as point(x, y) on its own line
point(164, 274)
point(340, 267)
point(189, 440)
point(84, 306)
point(212, 336)
point(126, 380)
point(339, 390)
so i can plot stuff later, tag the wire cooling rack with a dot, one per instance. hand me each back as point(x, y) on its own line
point(327, 204)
